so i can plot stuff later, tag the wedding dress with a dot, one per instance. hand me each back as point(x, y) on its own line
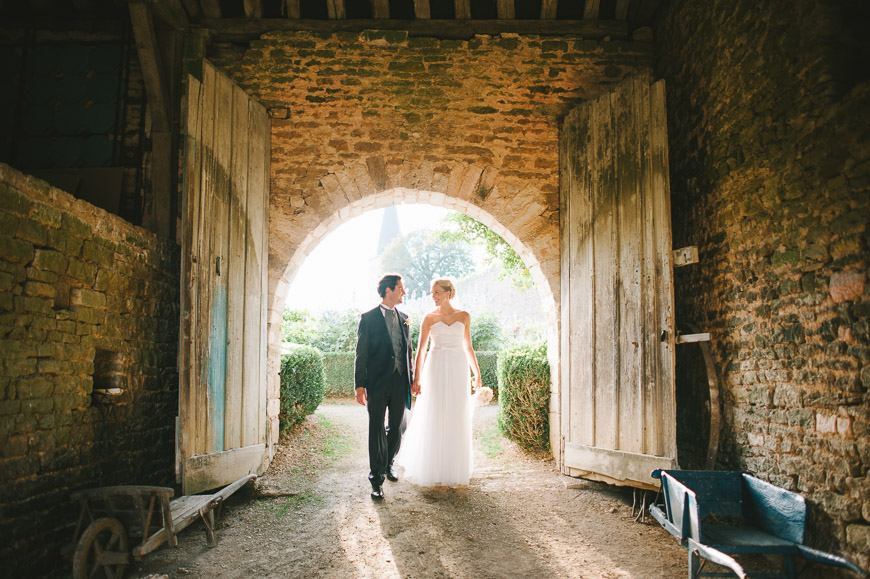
point(436, 448)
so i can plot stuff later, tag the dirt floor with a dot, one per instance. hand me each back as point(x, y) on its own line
point(518, 518)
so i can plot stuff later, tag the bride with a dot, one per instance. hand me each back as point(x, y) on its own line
point(436, 450)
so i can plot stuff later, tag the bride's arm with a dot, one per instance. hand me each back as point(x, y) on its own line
point(420, 359)
point(469, 351)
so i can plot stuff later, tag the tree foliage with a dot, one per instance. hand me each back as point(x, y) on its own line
point(331, 331)
point(463, 227)
point(422, 255)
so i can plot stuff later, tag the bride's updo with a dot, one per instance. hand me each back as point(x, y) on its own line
point(446, 285)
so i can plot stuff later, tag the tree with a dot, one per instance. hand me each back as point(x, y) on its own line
point(463, 227)
point(421, 256)
point(331, 331)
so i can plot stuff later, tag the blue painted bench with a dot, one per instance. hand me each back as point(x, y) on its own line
point(716, 514)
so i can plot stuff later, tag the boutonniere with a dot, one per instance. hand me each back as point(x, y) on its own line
point(408, 321)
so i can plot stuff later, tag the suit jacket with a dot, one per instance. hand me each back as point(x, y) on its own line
point(375, 359)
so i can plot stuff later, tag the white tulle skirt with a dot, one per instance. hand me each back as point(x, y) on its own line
point(436, 449)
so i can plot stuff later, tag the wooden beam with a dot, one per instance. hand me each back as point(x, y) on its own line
point(152, 68)
point(548, 9)
point(253, 8)
point(336, 10)
point(462, 8)
point(643, 12)
point(293, 10)
point(591, 9)
point(380, 9)
point(192, 8)
point(172, 13)
point(240, 30)
point(691, 338)
point(505, 9)
point(421, 9)
point(622, 9)
point(211, 8)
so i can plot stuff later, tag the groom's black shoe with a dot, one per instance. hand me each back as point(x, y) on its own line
point(392, 474)
point(377, 493)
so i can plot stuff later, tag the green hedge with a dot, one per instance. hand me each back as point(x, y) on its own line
point(524, 396)
point(301, 384)
point(488, 362)
point(338, 374)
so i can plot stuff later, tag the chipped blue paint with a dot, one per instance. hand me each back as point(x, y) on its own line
point(217, 367)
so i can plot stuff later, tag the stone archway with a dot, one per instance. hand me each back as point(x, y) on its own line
point(520, 213)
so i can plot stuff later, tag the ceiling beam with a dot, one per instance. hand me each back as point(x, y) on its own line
point(241, 30)
point(548, 9)
point(421, 9)
point(293, 10)
point(152, 68)
point(591, 9)
point(380, 9)
point(336, 9)
point(192, 8)
point(211, 8)
point(172, 12)
point(505, 9)
point(462, 9)
point(253, 8)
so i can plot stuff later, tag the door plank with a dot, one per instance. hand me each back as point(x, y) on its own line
point(236, 269)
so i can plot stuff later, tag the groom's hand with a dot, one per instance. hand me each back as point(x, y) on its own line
point(361, 396)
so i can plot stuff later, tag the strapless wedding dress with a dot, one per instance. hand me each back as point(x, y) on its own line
point(436, 448)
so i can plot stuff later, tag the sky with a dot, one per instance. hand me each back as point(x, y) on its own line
point(343, 271)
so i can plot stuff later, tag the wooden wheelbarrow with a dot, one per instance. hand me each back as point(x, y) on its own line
point(717, 514)
point(111, 515)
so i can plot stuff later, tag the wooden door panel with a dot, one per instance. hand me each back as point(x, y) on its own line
point(618, 402)
point(224, 235)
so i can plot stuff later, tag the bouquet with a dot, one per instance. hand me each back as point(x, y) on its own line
point(482, 396)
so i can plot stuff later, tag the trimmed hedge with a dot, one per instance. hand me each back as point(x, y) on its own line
point(301, 384)
point(338, 374)
point(488, 362)
point(524, 396)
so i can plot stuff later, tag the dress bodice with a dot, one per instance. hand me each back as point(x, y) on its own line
point(446, 337)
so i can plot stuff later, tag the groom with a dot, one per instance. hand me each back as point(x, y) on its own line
point(382, 377)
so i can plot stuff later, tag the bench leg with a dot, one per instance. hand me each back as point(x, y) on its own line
point(788, 566)
point(695, 563)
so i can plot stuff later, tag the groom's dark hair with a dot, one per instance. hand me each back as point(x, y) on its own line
point(388, 281)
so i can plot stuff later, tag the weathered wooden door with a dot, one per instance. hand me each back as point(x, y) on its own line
point(618, 406)
point(222, 357)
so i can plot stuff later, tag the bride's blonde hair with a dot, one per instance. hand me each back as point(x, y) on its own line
point(446, 285)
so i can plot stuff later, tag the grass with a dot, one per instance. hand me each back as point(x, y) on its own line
point(490, 440)
point(336, 443)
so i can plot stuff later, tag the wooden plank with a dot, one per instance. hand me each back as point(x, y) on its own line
point(335, 9)
point(548, 9)
point(649, 320)
point(685, 256)
point(567, 177)
point(629, 229)
point(380, 9)
point(505, 9)
point(591, 9)
point(205, 265)
point(236, 268)
point(462, 9)
point(187, 358)
point(691, 338)
point(208, 471)
point(223, 142)
point(171, 12)
point(606, 317)
point(422, 10)
point(622, 9)
point(152, 67)
point(255, 265)
point(264, 129)
point(661, 197)
point(628, 467)
point(253, 8)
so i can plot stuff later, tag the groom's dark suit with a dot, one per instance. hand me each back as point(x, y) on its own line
point(387, 388)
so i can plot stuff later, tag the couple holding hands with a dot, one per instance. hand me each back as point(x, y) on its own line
point(437, 446)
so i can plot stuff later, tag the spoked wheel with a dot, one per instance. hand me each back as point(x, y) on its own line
point(102, 551)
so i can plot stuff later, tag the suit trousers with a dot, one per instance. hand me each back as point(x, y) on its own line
point(384, 441)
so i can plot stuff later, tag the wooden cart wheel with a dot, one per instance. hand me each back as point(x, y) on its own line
point(102, 551)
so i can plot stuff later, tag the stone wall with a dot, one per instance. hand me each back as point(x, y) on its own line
point(371, 119)
point(87, 302)
point(770, 177)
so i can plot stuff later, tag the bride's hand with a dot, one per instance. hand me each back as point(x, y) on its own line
point(478, 383)
point(415, 388)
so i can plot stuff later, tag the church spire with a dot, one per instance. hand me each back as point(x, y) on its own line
point(389, 228)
